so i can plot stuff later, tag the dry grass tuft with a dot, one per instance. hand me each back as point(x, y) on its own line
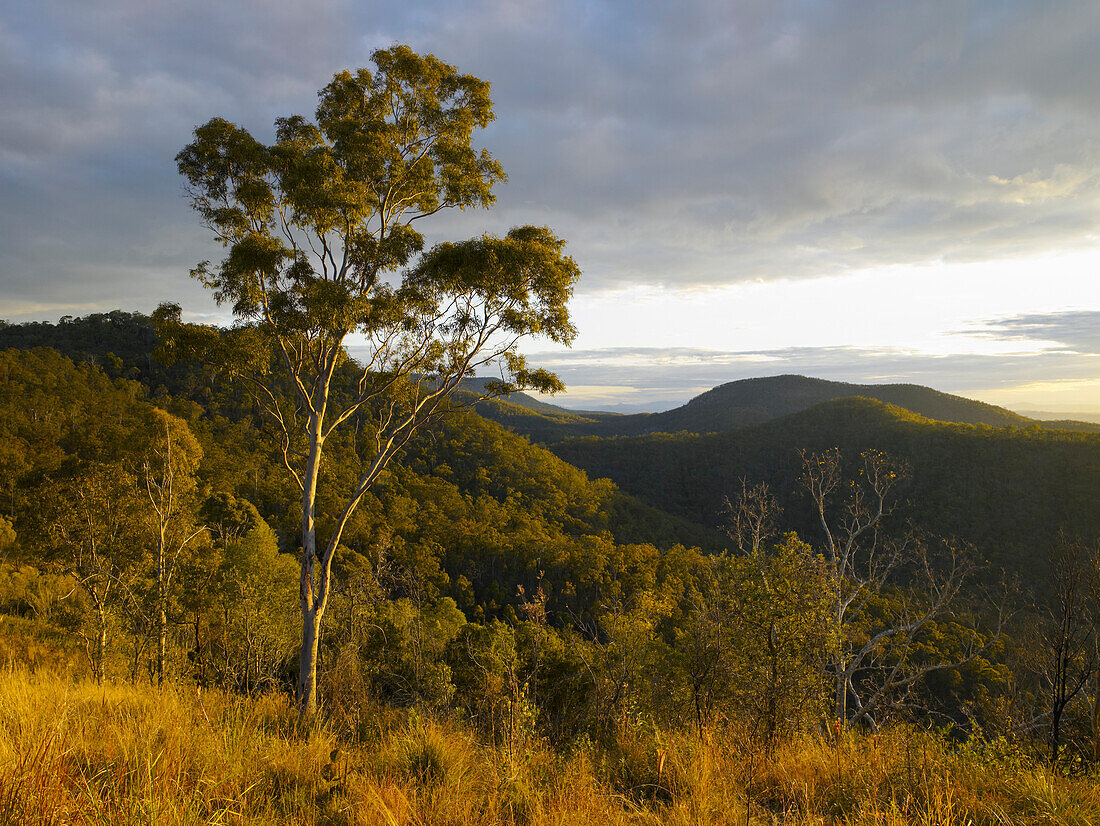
point(84, 754)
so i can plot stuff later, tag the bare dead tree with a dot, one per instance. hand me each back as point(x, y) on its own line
point(864, 559)
point(751, 517)
point(887, 656)
point(860, 561)
point(1065, 645)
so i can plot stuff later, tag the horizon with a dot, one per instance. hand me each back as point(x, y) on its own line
point(875, 195)
point(666, 401)
point(1074, 413)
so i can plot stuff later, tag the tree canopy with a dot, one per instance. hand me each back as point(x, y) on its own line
point(319, 228)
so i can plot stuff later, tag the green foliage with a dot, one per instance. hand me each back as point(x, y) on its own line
point(492, 681)
point(256, 620)
point(44, 595)
point(120, 343)
point(7, 534)
point(1007, 491)
point(314, 225)
point(784, 621)
point(638, 634)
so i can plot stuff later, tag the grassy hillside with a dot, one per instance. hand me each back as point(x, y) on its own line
point(80, 753)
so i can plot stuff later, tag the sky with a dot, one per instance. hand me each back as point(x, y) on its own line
point(879, 191)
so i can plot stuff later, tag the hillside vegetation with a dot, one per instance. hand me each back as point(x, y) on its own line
point(615, 631)
point(1008, 490)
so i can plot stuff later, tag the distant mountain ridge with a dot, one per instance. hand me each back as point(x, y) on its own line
point(749, 402)
point(754, 401)
point(122, 344)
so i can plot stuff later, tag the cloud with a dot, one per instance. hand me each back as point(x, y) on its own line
point(679, 145)
point(1076, 332)
point(663, 378)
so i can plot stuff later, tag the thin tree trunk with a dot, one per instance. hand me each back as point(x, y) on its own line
point(162, 609)
point(313, 593)
point(200, 669)
point(162, 642)
point(841, 666)
point(1055, 737)
point(841, 695)
point(307, 671)
point(101, 647)
point(1096, 720)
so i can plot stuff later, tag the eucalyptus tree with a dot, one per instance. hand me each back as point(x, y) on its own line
point(321, 228)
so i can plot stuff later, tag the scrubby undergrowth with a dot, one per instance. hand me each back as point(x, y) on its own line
point(74, 752)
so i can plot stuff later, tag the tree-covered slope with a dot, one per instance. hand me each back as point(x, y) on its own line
point(472, 511)
point(752, 401)
point(478, 547)
point(1008, 490)
point(1005, 488)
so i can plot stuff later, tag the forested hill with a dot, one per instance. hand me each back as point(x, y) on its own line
point(477, 542)
point(116, 341)
point(122, 344)
point(1007, 490)
point(754, 401)
point(472, 510)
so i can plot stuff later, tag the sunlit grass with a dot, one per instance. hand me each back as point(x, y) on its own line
point(119, 754)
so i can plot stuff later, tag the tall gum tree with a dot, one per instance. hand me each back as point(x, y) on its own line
point(321, 232)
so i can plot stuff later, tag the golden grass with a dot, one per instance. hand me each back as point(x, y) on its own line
point(76, 753)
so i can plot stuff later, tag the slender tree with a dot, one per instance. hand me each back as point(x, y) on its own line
point(167, 473)
point(1065, 642)
point(317, 226)
point(864, 561)
point(93, 519)
point(859, 559)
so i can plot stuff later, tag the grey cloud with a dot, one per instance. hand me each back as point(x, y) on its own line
point(695, 143)
point(1077, 331)
point(781, 141)
point(674, 375)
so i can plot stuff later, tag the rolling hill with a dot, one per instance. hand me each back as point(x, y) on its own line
point(1007, 490)
point(750, 402)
